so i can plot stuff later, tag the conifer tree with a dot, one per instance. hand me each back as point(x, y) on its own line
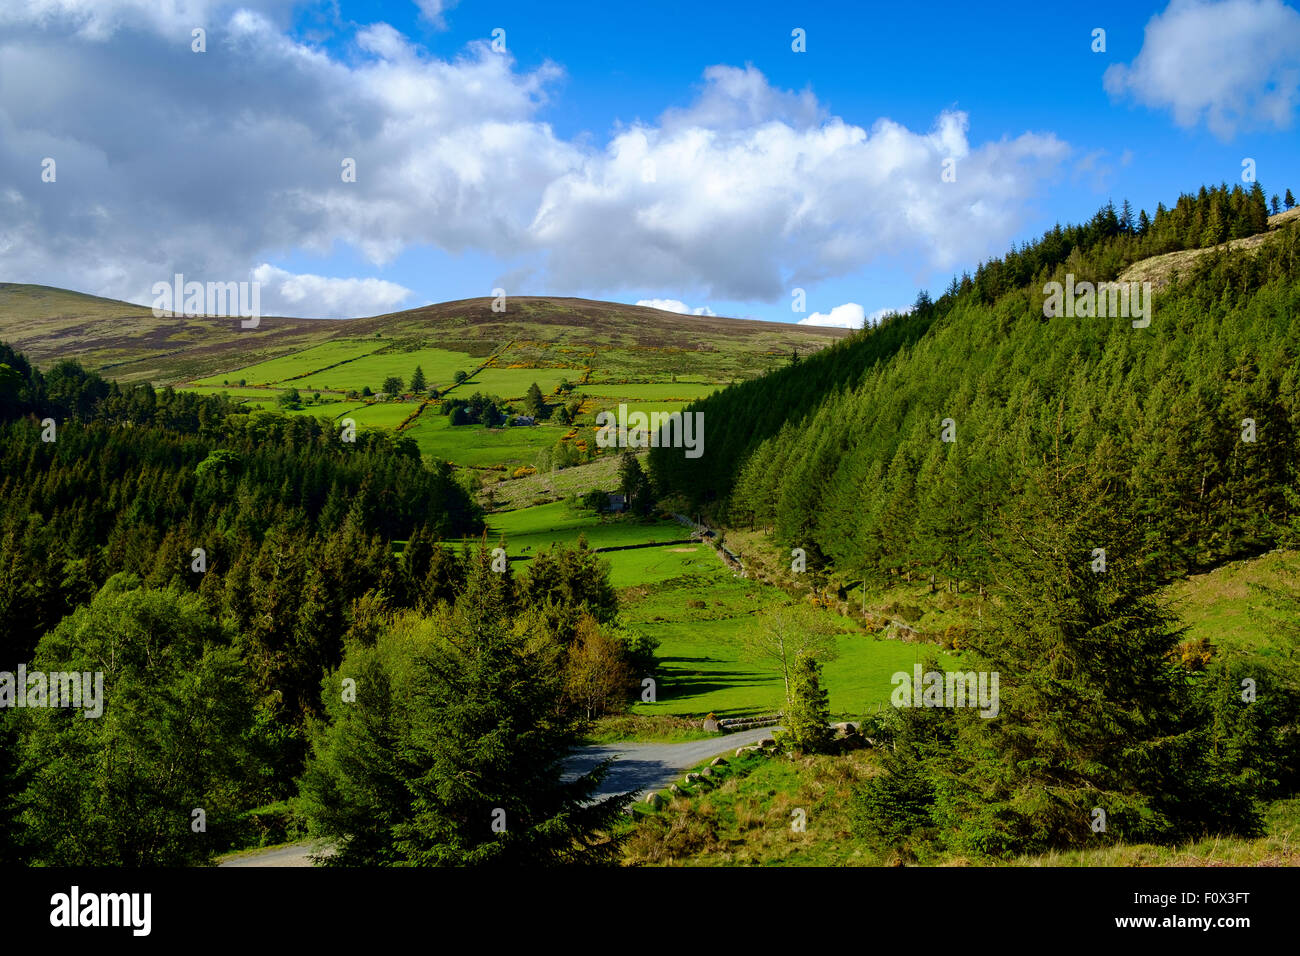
point(534, 402)
point(453, 753)
point(1126, 217)
point(634, 485)
point(1092, 714)
point(807, 710)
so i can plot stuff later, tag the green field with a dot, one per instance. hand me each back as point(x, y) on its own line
point(535, 528)
point(643, 566)
point(235, 392)
point(308, 360)
point(514, 382)
point(745, 820)
point(439, 366)
point(678, 392)
point(477, 446)
point(318, 368)
point(702, 664)
point(661, 364)
point(704, 669)
point(373, 415)
point(381, 414)
point(1228, 608)
point(599, 473)
point(648, 408)
point(330, 410)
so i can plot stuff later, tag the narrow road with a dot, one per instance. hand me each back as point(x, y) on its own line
point(646, 767)
point(639, 767)
point(294, 854)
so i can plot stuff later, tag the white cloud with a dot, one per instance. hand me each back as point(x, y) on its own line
point(850, 315)
point(1234, 64)
point(100, 20)
point(761, 203)
point(847, 316)
point(165, 165)
point(433, 10)
point(675, 305)
point(312, 296)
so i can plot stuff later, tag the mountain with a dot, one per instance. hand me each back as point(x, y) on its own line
point(128, 342)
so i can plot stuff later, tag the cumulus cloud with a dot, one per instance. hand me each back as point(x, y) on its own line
point(100, 20)
point(164, 165)
point(1233, 64)
point(286, 293)
point(850, 315)
point(675, 305)
point(433, 10)
point(759, 203)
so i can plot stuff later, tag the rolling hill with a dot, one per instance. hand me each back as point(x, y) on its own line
point(586, 354)
point(127, 342)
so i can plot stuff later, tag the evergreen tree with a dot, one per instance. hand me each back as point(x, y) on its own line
point(634, 485)
point(1092, 714)
point(807, 713)
point(566, 584)
point(534, 402)
point(1216, 226)
point(417, 380)
point(452, 753)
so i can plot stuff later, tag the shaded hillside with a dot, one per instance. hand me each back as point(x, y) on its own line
point(858, 472)
point(131, 344)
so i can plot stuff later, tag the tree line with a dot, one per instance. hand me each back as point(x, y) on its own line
point(217, 566)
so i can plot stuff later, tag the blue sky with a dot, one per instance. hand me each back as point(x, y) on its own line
point(526, 169)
